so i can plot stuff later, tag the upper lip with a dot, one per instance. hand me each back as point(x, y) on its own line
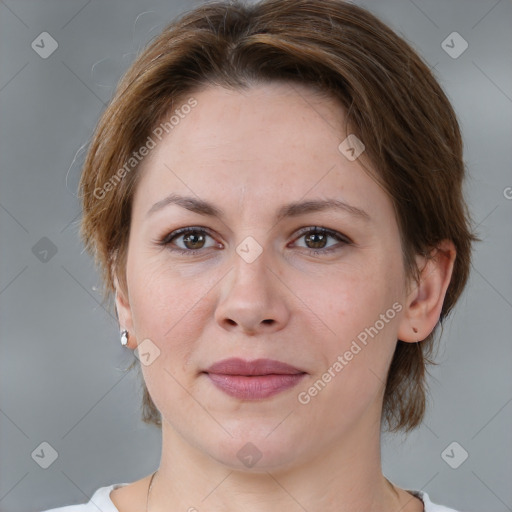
point(237, 366)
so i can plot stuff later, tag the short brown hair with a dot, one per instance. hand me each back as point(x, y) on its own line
point(392, 102)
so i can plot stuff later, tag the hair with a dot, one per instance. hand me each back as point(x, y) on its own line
point(392, 103)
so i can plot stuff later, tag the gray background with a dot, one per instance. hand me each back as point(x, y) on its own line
point(61, 362)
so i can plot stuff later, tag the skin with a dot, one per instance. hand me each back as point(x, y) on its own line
point(249, 153)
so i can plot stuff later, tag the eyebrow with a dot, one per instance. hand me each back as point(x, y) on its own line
point(293, 209)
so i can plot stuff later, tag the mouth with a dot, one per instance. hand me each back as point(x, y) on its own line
point(253, 380)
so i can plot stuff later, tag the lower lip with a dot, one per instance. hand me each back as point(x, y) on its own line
point(254, 387)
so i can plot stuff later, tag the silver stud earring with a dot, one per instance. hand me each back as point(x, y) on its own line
point(124, 337)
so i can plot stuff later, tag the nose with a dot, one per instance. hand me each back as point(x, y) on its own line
point(253, 298)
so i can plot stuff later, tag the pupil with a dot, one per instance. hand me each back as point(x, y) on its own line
point(321, 239)
point(193, 239)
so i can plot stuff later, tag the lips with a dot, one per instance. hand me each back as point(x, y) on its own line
point(252, 380)
point(236, 366)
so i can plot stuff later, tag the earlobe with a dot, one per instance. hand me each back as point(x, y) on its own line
point(424, 303)
point(123, 311)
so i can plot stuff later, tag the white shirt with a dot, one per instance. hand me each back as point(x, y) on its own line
point(101, 502)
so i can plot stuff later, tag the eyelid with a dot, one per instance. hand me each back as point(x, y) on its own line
point(165, 241)
point(331, 232)
point(296, 233)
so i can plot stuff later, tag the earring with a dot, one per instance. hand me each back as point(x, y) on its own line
point(124, 337)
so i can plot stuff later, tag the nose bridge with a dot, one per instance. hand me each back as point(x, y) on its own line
point(250, 297)
point(251, 267)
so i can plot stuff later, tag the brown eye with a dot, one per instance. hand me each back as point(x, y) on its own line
point(316, 240)
point(192, 240)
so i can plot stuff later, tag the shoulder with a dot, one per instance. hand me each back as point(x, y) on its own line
point(100, 500)
point(428, 505)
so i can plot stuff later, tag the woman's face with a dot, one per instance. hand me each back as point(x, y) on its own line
point(251, 284)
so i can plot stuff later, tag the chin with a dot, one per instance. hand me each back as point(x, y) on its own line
point(257, 451)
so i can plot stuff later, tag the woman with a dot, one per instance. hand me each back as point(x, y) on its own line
point(274, 195)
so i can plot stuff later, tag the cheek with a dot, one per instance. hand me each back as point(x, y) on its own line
point(355, 360)
point(348, 298)
point(166, 311)
point(359, 311)
point(169, 309)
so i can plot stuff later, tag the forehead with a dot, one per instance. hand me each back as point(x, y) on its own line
point(276, 120)
point(272, 142)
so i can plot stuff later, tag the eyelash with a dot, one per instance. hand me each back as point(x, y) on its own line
point(167, 239)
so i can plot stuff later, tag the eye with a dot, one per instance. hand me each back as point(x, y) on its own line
point(316, 240)
point(193, 240)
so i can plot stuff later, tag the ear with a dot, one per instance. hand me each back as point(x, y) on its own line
point(124, 313)
point(424, 302)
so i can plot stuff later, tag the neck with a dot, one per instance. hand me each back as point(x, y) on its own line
point(343, 477)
